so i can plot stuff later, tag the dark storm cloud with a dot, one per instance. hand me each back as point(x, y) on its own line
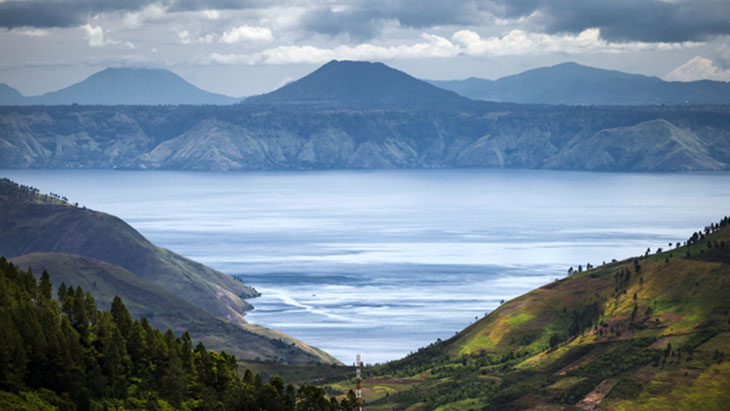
point(619, 20)
point(627, 20)
point(60, 13)
point(69, 13)
point(364, 20)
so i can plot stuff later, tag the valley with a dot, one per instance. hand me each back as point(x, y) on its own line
point(361, 210)
point(383, 262)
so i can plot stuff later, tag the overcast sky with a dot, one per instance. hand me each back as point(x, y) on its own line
point(248, 47)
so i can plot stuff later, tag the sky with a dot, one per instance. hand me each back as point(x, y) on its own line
point(248, 47)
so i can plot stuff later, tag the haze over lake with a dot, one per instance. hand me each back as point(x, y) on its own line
point(384, 262)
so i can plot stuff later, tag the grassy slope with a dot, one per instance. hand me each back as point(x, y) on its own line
point(505, 361)
point(164, 310)
point(27, 227)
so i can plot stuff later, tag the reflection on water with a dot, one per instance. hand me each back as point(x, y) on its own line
point(384, 262)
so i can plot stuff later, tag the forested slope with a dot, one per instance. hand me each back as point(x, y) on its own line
point(68, 355)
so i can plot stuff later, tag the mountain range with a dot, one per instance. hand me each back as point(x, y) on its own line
point(574, 84)
point(361, 116)
point(254, 137)
point(107, 257)
point(374, 85)
point(114, 86)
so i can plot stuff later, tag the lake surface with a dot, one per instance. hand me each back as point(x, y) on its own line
point(384, 262)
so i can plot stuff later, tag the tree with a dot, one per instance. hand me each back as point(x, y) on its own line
point(121, 316)
point(45, 288)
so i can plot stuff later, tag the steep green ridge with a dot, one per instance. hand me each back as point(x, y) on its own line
point(165, 311)
point(69, 355)
point(108, 257)
point(17, 192)
point(650, 332)
point(28, 227)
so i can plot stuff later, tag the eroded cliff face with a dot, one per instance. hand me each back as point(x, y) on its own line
point(264, 137)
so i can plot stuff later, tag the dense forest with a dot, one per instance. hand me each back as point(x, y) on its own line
point(66, 354)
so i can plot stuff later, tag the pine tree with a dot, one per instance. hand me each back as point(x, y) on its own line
point(45, 288)
point(121, 316)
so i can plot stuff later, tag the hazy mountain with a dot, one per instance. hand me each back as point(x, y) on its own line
point(249, 137)
point(363, 85)
point(131, 86)
point(10, 96)
point(651, 145)
point(574, 84)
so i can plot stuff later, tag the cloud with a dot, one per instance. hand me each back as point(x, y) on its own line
point(72, 13)
point(152, 12)
point(184, 36)
point(211, 14)
point(30, 32)
point(698, 68)
point(617, 20)
point(625, 20)
point(462, 42)
point(95, 34)
point(519, 42)
point(60, 13)
point(655, 21)
point(432, 46)
point(246, 33)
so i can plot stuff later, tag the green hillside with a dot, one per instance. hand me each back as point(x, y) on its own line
point(650, 332)
point(106, 256)
point(18, 192)
point(28, 227)
point(166, 311)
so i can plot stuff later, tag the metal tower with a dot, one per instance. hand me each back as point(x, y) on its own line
point(358, 390)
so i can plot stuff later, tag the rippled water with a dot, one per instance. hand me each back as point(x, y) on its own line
point(384, 262)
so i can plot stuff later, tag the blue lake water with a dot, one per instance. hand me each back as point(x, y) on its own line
point(384, 262)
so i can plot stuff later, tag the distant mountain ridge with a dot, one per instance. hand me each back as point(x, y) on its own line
point(575, 84)
point(255, 137)
point(360, 115)
point(122, 86)
point(363, 85)
point(360, 84)
point(9, 95)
